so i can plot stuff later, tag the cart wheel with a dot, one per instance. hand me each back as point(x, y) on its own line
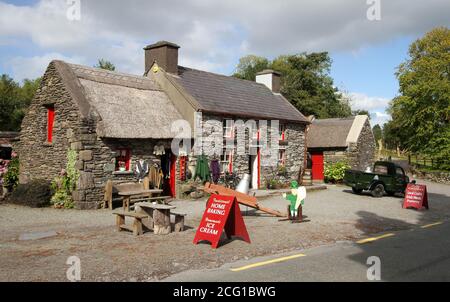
point(378, 191)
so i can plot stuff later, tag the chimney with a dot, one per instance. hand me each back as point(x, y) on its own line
point(270, 78)
point(165, 54)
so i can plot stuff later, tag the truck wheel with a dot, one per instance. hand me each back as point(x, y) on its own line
point(378, 191)
point(356, 191)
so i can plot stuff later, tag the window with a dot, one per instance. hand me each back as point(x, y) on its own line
point(381, 170)
point(123, 160)
point(399, 171)
point(50, 122)
point(281, 157)
point(226, 160)
point(228, 128)
point(282, 132)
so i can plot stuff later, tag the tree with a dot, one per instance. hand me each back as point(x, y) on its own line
point(305, 83)
point(421, 113)
point(104, 64)
point(14, 100)
point(249, 66)
point(362, 112)
point(378, 134)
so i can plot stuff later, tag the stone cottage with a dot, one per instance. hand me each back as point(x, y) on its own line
point(340, 139)
point(113, 119)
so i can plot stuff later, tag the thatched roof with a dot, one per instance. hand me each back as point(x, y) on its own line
point(128, 106)
point(329, 133)
point(222, 94)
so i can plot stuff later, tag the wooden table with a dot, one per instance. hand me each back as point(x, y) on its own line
point(127, 196)
point(158, 217)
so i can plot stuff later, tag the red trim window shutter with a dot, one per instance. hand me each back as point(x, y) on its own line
point(50, 122)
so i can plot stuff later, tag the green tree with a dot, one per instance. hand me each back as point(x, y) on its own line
point(306, 82)
point(361, 112)
point(249, 66)
point(378, 134)
point(104, 64)
point(421, 113)
point(14, 100)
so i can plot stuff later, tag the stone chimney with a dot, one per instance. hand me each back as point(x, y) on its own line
point(165, 54)
point(270, 78)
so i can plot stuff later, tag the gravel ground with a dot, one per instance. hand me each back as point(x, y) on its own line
point(106, 255)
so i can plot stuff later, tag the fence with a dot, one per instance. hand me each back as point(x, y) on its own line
point(427, 162)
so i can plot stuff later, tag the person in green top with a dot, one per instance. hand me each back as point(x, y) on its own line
point(296, 198)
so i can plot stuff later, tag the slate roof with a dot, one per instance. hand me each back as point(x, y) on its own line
point(228, 95)
point(329, 133)
point(129, 106)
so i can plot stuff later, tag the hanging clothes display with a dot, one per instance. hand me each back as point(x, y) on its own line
point(141, 169)
point(215, 170)
point(202, 169)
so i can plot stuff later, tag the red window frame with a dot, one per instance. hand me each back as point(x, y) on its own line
point(282, 132)
point(124, 155)
point(50, 123)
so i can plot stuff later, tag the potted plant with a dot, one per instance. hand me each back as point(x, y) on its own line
point(122, 167)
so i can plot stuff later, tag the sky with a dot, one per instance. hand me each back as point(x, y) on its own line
point(366, 39)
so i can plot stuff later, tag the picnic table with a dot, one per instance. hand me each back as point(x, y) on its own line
point(158, 216)
point(128, 194)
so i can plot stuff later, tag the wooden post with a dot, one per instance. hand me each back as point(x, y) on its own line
point(146, 183)
point(120, 220)
point(137, 227)
point(107, 199)
point(161, 221)
point(179, 223)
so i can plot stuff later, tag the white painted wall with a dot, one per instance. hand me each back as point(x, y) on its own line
point(265, 79)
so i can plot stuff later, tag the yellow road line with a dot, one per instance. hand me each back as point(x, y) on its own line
point(431, 225)
point(372, 239)
point(266, 262)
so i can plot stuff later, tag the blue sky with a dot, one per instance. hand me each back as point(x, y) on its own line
point(214, 35)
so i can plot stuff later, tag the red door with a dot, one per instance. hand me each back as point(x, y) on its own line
point(317, 166)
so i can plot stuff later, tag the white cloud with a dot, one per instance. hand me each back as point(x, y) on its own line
point(361, 101)
point(375, 105)
point(379, 118)
point(33, 67)
point(212, 33)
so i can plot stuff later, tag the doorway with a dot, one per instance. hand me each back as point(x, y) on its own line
point(169, 169)
point(255, 171)
point(317, 166)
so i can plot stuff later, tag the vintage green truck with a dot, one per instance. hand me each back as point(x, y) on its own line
point(386, 177)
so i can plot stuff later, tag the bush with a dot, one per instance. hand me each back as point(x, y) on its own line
point(35, 194)
point(11, 178)
point(335, 172)
point(64, 184)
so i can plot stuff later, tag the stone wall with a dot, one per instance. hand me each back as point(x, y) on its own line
point(362, 154)
point(95, 156)
point(38, 158)
point(295, 152)
point(97, 161)
point(358, 155)
point(439, 177)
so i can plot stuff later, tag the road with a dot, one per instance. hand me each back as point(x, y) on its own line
point(421, 253)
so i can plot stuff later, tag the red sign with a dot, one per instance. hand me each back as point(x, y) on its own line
point(416, 196)
point(222, 212)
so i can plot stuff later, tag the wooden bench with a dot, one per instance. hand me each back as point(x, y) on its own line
point(112, 191)
point(136, 228)
point(179, 221)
